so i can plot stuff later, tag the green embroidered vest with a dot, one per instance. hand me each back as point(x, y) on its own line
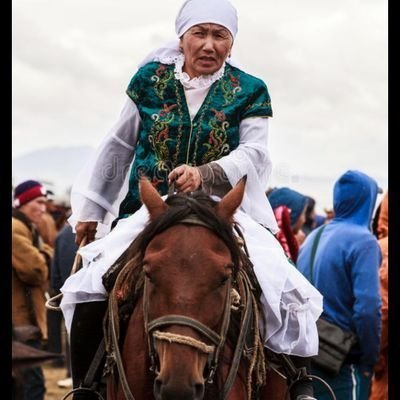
point(169, 138)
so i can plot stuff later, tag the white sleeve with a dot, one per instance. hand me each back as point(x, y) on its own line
point(103, 182)
point(252, 158)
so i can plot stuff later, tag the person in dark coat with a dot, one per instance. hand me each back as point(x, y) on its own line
point(64, 254)
point(65, 250)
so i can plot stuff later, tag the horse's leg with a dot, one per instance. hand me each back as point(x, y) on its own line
point(276, 387)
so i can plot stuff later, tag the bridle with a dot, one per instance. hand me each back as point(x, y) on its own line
point(154, 328)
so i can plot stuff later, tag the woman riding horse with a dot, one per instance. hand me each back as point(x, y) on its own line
point(192, 118)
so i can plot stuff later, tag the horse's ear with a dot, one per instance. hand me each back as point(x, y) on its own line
point(151, 198)
point(231, 201)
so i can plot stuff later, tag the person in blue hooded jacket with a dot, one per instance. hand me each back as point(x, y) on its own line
point(345, 271)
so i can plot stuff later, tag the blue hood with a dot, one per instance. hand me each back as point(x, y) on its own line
point(289, 198)
point(354, 198)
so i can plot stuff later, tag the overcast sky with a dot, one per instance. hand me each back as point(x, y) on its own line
point(325, 64)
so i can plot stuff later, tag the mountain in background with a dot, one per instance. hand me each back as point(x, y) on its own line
point(55, 167)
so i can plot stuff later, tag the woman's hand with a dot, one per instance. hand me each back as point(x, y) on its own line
point(187, 179)
point(88, 229)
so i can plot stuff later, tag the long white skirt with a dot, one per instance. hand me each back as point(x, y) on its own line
point(291, 303)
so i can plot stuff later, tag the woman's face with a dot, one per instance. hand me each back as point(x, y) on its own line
point(206, 47)
point(300, 221)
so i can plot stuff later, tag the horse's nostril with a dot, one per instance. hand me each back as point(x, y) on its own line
point(173, 392)
point(199, 391)
point(157, 388)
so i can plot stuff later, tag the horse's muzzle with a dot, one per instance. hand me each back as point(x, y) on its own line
point(169, 391)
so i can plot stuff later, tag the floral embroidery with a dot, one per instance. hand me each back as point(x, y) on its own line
point(132, 94)
point(180, 125)
point(258, 105)
point(158, 137)
point(230, 87)
point(217, 142)
point(161, 78)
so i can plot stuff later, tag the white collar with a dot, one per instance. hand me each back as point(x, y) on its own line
point(202, 81)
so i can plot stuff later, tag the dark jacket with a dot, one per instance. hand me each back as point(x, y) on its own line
point(64, 254)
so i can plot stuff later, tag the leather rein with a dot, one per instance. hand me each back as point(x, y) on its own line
point(152, 329)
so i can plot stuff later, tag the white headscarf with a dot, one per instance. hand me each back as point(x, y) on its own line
point(194, 12)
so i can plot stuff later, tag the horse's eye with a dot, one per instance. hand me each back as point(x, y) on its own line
point(146, 272)
point(150, 278)
point(147, 275)
point(224, 280)
point(229, 266)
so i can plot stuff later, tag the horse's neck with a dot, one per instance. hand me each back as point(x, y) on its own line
point(135, 357)
point(239, 387)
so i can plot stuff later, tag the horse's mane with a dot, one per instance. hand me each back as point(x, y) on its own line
point(126, 272)
point(198, 205)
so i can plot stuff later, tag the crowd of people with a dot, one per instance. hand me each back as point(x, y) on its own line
point(353, 253)
point(42, 257)
point(193, 120)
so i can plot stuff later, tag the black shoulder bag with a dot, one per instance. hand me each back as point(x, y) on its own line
point(334, 342)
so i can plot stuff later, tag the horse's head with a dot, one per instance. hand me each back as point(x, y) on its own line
point(189, 260)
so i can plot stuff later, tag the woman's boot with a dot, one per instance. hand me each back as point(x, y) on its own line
point(302, 389)
point(86, 335)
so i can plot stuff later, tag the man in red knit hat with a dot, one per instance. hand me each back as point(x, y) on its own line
point(30, 276)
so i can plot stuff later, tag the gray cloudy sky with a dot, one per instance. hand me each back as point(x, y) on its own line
point(325, 64)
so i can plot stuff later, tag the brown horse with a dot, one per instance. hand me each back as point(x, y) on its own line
point(180, 340)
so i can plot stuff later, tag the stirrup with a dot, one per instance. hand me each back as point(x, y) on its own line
point(83, 389)
point(53, 303)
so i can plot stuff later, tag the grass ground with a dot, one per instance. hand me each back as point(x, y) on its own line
point(52, 375)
